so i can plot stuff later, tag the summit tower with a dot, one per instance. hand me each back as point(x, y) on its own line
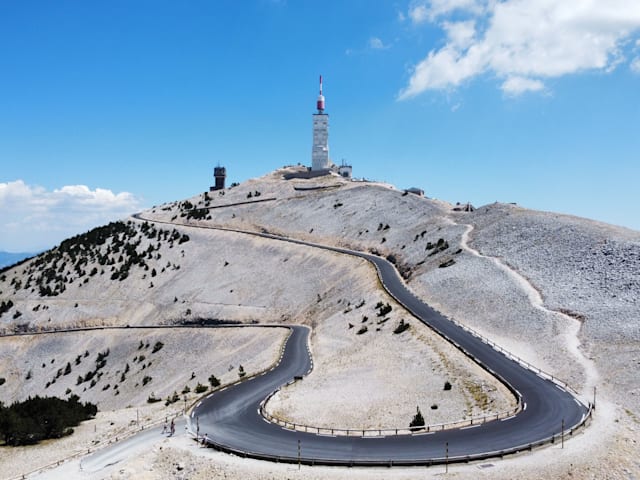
point(320, 151)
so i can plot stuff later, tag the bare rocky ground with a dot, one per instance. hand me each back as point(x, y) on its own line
point(524, 279)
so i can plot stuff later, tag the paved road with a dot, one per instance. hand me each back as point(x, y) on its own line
point(231, 419)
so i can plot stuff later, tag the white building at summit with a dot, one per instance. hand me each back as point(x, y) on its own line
point(320, 152)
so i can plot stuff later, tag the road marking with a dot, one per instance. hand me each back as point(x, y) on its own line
point(524, 407)
point(560, 388)
point(199, 403)
point(576, 400)
point(421, 434)
point(508, 418)
point(471, 426)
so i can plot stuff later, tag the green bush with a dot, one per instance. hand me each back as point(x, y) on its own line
point(40, 418)
point(402, 326)
point(213, 381)
point(158, 346)
point(201, 388)
point(418, 421)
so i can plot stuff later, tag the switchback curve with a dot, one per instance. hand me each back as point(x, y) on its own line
point(231, 419)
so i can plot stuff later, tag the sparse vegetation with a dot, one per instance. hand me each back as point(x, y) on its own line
point(172, 399)
point(157, 347)
point(213, 381)
point(447, 385)
point(362, 330)
point(402, 326)
point(146, 380)
point(447, 263)
point(383, 309)
point(417, 422)
point(201, 388)
point(241, 372)
point(40, 418)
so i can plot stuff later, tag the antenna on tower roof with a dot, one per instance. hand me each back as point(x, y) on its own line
point(320, 102)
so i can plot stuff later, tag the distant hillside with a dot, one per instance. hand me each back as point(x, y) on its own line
point(560, 292)
point(9, 258)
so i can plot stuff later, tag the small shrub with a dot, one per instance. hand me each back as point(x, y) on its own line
point(213, 381)
point(434, 407)
point(2, 380)
point(448, 263)
point(418, 421)
point(402, 326)
point(158, 346)
point(152, 399)
point(29, 375)
point(362, 330)
point(201, 388)
point(241, 372)
point(172, 399)
point(447, 385)
point(146, 380)
point(186, 390)
point(383, 309)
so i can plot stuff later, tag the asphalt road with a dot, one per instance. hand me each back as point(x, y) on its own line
point(231, 417)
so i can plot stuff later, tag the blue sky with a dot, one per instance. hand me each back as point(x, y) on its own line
point(110, 107)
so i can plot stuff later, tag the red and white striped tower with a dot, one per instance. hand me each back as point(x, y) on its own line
point(320, 102)
point(320, 151)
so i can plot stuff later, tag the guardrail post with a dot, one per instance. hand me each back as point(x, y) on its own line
point(299, 455)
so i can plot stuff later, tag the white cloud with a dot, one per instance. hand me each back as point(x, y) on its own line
point(460, 34)
point(423, 11)
point(517, 85)
point(376, 44)
point(33, 218)
point(522, 40)
point(635, 65)
point(418, 14)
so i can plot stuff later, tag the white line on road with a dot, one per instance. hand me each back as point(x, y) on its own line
point(471, 426)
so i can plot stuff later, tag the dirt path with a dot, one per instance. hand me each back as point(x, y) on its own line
point(571, 336)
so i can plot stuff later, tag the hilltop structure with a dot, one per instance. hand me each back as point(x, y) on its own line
point(220, 175)
point(320, 150)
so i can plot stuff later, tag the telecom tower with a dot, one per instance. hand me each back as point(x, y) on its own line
point(320, 152)
point(220, 174)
